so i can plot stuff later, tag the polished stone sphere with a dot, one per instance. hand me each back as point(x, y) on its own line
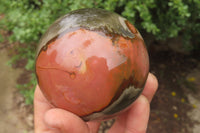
point(93, 63)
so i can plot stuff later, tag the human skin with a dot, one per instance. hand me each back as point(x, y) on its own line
point(48, 119)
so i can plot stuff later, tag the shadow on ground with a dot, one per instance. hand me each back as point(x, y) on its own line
point(176, 105)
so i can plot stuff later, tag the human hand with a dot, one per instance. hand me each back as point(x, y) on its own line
point(48, 119)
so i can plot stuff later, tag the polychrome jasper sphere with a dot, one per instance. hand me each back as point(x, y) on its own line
point(93, 63)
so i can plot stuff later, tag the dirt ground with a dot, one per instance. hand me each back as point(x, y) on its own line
point(174, 109)
point(176, 105)
point(15, 115)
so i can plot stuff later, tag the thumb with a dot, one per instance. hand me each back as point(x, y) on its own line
point(64, 121)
